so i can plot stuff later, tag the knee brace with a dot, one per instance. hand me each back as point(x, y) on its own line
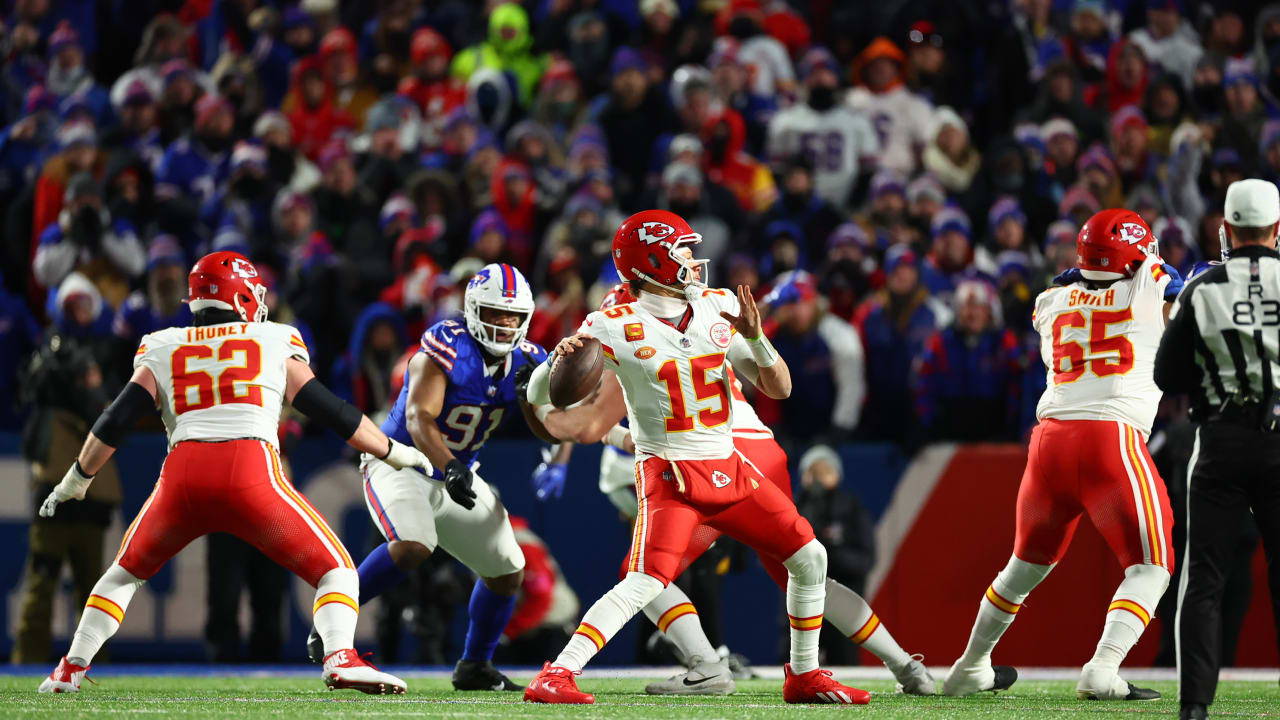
point(808, 566)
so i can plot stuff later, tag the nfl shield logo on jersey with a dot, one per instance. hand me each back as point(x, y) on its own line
point(686, 343)
point(719, 479)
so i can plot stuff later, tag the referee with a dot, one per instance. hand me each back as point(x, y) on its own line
point(1221, 348)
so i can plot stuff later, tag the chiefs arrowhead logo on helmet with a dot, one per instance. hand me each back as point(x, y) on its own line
point(652, 232)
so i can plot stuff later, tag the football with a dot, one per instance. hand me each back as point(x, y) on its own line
point(574, 376)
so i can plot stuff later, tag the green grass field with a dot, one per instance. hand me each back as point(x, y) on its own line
point(303, 697)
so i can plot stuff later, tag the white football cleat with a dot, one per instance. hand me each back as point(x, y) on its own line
point(704, 678)
point(969, 679)
point(346, 670)
point(1105, 683)
point(914, 678)
point(65, 678)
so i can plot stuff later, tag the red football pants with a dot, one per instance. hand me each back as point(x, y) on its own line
point(686, 505)
point(1098, 467)
point(236, 487)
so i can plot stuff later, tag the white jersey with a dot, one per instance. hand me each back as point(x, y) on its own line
point(221, 382)
point(903, 122)
point(1100, 348)
point(835, 142)
point(676, 385)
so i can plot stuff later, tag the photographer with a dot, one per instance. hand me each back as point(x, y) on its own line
point(65, 388)
point(85, 238)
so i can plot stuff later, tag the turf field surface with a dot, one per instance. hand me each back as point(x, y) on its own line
point(294, 693)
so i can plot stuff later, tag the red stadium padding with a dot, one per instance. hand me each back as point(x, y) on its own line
point(950, 548)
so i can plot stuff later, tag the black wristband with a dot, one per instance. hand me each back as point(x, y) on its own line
point(320, 404)
point(80, 469)
point(116, 421)
point(387, 454)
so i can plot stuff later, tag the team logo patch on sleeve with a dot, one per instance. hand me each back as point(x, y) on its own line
point(633, 331)
point(721, 334)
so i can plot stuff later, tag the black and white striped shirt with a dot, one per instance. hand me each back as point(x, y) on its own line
point(1223, 338)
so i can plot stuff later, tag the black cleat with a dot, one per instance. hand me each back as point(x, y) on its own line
point(1137, 693)
point(1192, 711)
point(1005, 677)
point(473, 675)
point(315, 647)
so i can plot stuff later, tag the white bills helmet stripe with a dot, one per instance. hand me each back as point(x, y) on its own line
point(501, 287)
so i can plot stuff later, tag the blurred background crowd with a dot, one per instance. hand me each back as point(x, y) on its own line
point(897, 180)
point(907, 176)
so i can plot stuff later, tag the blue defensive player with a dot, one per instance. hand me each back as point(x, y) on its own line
point(465, 379)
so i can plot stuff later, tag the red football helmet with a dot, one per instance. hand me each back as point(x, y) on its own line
point(227, 280)
point(646, 246)
point(619, 295)
point(1113, 243)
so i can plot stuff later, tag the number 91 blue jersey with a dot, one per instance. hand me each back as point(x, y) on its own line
point(475, 403)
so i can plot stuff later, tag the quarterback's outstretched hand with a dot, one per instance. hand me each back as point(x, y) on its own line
point(457, 482)
point(748, 323)
point(73, 487)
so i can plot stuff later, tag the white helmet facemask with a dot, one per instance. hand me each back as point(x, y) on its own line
point(501, 288)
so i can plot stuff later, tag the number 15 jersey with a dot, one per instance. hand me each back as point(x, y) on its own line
point(221, 382)
point(676, 384)
point(1099, 347)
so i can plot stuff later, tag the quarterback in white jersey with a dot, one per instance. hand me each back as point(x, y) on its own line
point(1099, 334)
point(597, 419)
point(668, 352)
point(220, 385)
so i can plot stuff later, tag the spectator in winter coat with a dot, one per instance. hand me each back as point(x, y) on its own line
point(341, 66)
point(844, 527)
point(725, 163)
point(1126, 79)
point(86, 239)
point(731, 86)
point(507, 49)
point(801, 203)
point(560, 105)
point(1129, 147)
point(362, 376)
point(967, 380)
point(1062, 146)
point(159, 304)
point(561, 306)
point(682, 193)
point(902, 118)
point(894, 324)
point(69, 79)
point(825, 353)
point(429, 84)
point(836, 141)
point(314, 115)
point(1168, 41)
point(287, 167)
point(950, 156)
point(632, 118)
point(1242, 123)
point(950, 260)
point(1061, 96)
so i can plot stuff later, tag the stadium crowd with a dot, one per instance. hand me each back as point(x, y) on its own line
point(904, 178)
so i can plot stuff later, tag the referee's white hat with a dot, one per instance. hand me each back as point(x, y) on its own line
point(1252, 203)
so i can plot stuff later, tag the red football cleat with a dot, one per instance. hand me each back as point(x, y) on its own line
point(346, 670)
point(556, 685)
point(65, 678)
point(817, 686)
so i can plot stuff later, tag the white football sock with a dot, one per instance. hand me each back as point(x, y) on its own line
point(606, 617)
point(854, 618)
point(1000, 605)
point(806, 596)
point(1132, 607)
point(678, 619)
point(103, 613)
point(337, 608)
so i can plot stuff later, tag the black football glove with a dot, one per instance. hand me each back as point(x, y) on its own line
point(521, 378)
point(457, 482)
